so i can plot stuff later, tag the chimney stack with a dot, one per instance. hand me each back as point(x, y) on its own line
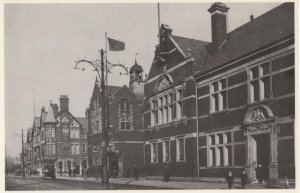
point(64, 102)
point(55, 108)
point(218, 23)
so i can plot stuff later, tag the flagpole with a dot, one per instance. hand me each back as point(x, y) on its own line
point(158, 18)
point(106, 54)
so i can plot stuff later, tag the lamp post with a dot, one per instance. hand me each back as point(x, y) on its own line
point(23, 165)
point(104, 70)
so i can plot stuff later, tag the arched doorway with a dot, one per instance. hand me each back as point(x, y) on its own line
point(261, 132)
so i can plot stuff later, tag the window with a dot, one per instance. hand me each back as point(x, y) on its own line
point(125, 105)
point(154, 153)
point(75, 148)
point(74, 133)
point(218, 96)
point(259, 83)
point(166, 151)
point(166, 108)
point(50, 149)
point(180, 149)
point(83, 147)
point(125, 125)
point(125, 115)
point(219, 149)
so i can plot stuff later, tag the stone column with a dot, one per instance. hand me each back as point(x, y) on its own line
point(273, 167)
point(248, 165)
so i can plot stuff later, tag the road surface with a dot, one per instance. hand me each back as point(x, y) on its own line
point(41, 183)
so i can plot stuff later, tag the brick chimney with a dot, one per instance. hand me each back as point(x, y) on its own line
point(218, 23)
point(55, 108)
point(64, 102)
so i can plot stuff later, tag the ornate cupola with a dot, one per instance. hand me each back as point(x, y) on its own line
point(136, 84)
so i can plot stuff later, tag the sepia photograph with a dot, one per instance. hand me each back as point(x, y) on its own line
point(149, 96)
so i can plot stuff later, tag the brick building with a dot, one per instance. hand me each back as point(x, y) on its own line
point(225, 105)
point(57, 138)
point(125, 148)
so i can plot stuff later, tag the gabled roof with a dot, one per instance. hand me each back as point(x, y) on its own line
point(83, 122)
point(269, 28)
point(197, 48)
point(111, 90)
point(125, 92)
point(50, 116)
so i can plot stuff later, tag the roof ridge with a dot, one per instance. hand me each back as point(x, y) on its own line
point(255, 19)
point(190, 38)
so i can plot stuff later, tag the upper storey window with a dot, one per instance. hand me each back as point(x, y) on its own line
point(166, 107)
point(259, 82)
point(218, 96)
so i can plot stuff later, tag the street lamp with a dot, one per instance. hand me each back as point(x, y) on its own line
point(23, 166)
point(98, 65)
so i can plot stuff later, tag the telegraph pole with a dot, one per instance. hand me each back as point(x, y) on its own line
point(23, 166)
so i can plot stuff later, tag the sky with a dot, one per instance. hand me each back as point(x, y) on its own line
point(42, 42)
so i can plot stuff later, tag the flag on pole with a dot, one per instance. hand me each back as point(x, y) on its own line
point(115, 45)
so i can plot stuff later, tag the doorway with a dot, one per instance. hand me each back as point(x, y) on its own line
point(261, 155)
point(113, 164)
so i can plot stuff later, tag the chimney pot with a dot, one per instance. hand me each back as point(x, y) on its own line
point(251, 17)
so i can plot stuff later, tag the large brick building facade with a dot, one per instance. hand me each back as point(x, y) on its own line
point(225, 105)
point(57, 138)
point(126, 142)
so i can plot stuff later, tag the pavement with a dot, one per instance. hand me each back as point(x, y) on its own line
point(179, 184)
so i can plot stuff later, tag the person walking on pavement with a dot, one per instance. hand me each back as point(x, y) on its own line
point(85, 173)
point(166, 174)
point(259, 173)
point(229, 179)
point(70, 173)
point(244, 179)
point(135, 172)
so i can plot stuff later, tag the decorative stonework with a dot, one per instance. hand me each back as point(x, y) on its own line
point(256, 115)
point(163, 84)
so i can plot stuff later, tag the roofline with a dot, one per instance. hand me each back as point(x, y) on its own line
point(200, 75)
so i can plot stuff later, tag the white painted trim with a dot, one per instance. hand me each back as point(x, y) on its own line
point(178, 47)
point(127, 142)
point(285, 138)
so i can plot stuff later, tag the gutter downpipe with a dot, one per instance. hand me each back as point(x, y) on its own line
point(191, 59)
point(197, 128)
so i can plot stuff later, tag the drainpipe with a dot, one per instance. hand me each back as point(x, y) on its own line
point(197, 129)
point(191, 60)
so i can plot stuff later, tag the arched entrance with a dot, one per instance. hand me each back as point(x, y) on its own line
point(261, 146)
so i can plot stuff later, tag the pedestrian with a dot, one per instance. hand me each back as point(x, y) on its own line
point(244, 178)
point(60, 172)
point(229, 179)
point(286, 182)
point(135, 172)
point(259, 173)
point(166, 174)
point(85, 173)
point(70, 173)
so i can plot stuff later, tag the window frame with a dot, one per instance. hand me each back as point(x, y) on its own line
point(178, 149)
point(224, 159)
point(152, 158)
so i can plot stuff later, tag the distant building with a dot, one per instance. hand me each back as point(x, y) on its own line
point(225, 105)
point(125, 131)
point(57, 138)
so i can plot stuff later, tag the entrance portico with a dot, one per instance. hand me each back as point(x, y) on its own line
point(261, 132)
